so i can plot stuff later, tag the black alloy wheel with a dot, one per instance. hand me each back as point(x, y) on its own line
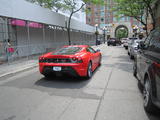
point(100, 60)
point(89, 70)
point(47, 75)
point(135, 70)
point(148, 104)
point(131, 57)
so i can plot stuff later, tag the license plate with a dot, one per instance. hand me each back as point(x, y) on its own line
point(57, 68)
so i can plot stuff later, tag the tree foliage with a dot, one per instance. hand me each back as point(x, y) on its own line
point(138, 9)
point(121, 33)
point(50, 4)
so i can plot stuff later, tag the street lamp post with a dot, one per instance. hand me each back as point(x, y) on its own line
point(96, 25)
point(104, 35)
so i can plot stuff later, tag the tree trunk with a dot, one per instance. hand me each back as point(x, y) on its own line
point(69, 23)
point(68, 29)
point(147, 23)
point(150, 10)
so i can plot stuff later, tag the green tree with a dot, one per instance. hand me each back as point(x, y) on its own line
point(56, 5)
point(121, 33)
point(138, 9)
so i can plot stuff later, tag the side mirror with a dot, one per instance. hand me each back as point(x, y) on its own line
point(141, 45)
point(98, 50)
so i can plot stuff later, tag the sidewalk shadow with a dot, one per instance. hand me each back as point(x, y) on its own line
point(62, 82)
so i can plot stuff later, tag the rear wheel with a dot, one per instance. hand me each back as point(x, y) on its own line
point(135, 70)
point(131, 57)
point(47, 75)
point(148, 104)
point(100, 59)
point(89, 70)
point(128, 53)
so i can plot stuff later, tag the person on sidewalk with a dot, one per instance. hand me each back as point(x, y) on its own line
point(10, 49)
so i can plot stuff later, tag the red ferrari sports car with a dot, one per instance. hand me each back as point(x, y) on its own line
point(77, 60)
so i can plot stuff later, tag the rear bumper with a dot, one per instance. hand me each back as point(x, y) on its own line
point(72, 69)
point(111, 43)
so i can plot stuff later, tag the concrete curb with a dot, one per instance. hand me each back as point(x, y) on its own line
point(18, 71)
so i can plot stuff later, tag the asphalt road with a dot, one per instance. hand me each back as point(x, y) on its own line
point(111, 94)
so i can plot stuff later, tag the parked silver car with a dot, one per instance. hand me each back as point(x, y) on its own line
point(134, 48)
point(124, 42)
point(130, 42)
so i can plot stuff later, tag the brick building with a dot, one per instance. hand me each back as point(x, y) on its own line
point(103, 15)
point(157, 12)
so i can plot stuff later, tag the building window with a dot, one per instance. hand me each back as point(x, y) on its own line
point(96, 9)
point(89, 20)
point(102, 19)
point(89, 9)
point(89, 14)
point(96, 20)
point(96, 13)
point(102, 13)
point(102, 8)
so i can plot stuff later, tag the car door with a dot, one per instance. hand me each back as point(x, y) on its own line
point(154, 48)
point(94, 56)
point(143, 57)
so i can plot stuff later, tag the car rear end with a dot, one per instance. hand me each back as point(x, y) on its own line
point(134, 48)
point(111, 41)
point(125, 43)
point(53, 63)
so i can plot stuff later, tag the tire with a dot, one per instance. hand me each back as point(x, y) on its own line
point(147, 93)
point(47, 75)
point(135, 70)
point(89, 71)
point(131, 57)
point(99, 64)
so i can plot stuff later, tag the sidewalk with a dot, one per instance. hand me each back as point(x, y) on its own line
point(22, 65)
point(19, 66)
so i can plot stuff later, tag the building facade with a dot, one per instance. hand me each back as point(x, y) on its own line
point(36, 30)
point(105, 16)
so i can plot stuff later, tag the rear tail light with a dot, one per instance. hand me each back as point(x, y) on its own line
point(42, 60)
point(157, 64)
point(76, 60)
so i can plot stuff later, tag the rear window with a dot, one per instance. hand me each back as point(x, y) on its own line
point(67, 51)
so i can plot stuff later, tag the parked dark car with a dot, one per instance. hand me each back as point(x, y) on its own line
point(113, 41)
point(147, 70)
